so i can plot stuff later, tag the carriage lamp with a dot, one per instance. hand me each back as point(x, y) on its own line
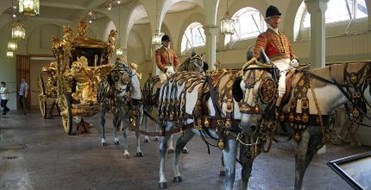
point(9, 54)
point(156, 38)
point(12, 45)
point(18, 31)
point(29, 7)
point(226, 24)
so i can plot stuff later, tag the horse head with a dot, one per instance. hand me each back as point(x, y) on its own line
point(259, 88)
point(119, 79)
point(193, 63)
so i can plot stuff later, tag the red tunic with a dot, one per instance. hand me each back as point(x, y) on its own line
point(276, 46)
point(166, 57)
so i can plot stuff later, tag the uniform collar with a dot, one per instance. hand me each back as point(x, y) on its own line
point(275, 30)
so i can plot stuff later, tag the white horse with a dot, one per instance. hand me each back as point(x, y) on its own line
point(308, 110)
point(120, 93)
point(189, 102)
point(150, 93)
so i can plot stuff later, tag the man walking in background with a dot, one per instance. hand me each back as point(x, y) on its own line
point(23, 93)
point(4, 94)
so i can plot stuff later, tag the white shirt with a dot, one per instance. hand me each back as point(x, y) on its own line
point(3, 93)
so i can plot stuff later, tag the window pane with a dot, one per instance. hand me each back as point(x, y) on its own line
point(193, 36)
point(338, 11)
point(249, 23)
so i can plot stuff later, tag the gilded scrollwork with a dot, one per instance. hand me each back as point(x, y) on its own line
point(111, 43)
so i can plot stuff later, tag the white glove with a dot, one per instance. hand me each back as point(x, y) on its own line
point(169, 71)
point(294, 62)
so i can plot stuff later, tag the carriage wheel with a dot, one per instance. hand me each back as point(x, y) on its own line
point(42, 97)
point(66, 113)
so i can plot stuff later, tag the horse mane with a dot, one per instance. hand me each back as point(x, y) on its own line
point(335, 72)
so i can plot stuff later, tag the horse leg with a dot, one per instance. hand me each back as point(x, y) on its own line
point(138, 121)
point(145, 124)
point(116, 124)
point(247, 161)
point(170, 148)
point(102, 126)
point(126, 145)
point(229, 159)
point(300, 152)
point(162, 145)
point(222, 171)
point(180, 144)
point(306, 149)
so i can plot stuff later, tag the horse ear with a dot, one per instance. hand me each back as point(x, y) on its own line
point(249, 54)
point(193, 53)
point(263, 57)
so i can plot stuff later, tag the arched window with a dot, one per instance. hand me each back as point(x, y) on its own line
point(194, 36)
point(249, 23)
point(340, 10)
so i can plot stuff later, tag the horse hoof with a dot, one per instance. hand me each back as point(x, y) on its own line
point(177, 179)
point(222, 173)
point(116, 143)
point(170, 151)
point(126, 156)
point(162, 185)
point(104, 144)
point(185, 151)
point(146, 141)
point(139, 154)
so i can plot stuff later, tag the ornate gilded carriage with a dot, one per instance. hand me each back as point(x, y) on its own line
point(72, 81)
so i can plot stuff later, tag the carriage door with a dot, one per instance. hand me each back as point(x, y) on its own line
point(23, 71)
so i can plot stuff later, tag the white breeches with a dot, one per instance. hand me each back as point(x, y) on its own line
point(283, 66)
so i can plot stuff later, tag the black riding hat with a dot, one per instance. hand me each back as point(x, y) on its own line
point(272, 11)
point(165, 38)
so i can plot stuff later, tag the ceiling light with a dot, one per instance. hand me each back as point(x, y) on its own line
point(29, 7)
point(10, 54)
point(156, 38)
point(18, 31)
point(118, 2)
point(12, 45)
point(227, 24)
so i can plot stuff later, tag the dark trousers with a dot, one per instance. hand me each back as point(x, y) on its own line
point(22, 103)
point(3, 105)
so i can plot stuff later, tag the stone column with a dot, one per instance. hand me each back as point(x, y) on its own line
point(211, 31)
point(317, 9)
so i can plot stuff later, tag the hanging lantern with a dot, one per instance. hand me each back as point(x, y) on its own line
point(227, 26)
point(18, 31)
point(12, 45)
point(156, 38)
point(10, 54)
point(29, 7)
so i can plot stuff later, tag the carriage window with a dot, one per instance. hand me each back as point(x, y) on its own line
point(249, 23)
point(340, 10)
point(194, 36)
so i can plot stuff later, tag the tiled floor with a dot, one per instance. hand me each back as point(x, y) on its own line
point(37, 154)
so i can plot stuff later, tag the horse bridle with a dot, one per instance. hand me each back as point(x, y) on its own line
point(266, 91)
point(117, 75)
